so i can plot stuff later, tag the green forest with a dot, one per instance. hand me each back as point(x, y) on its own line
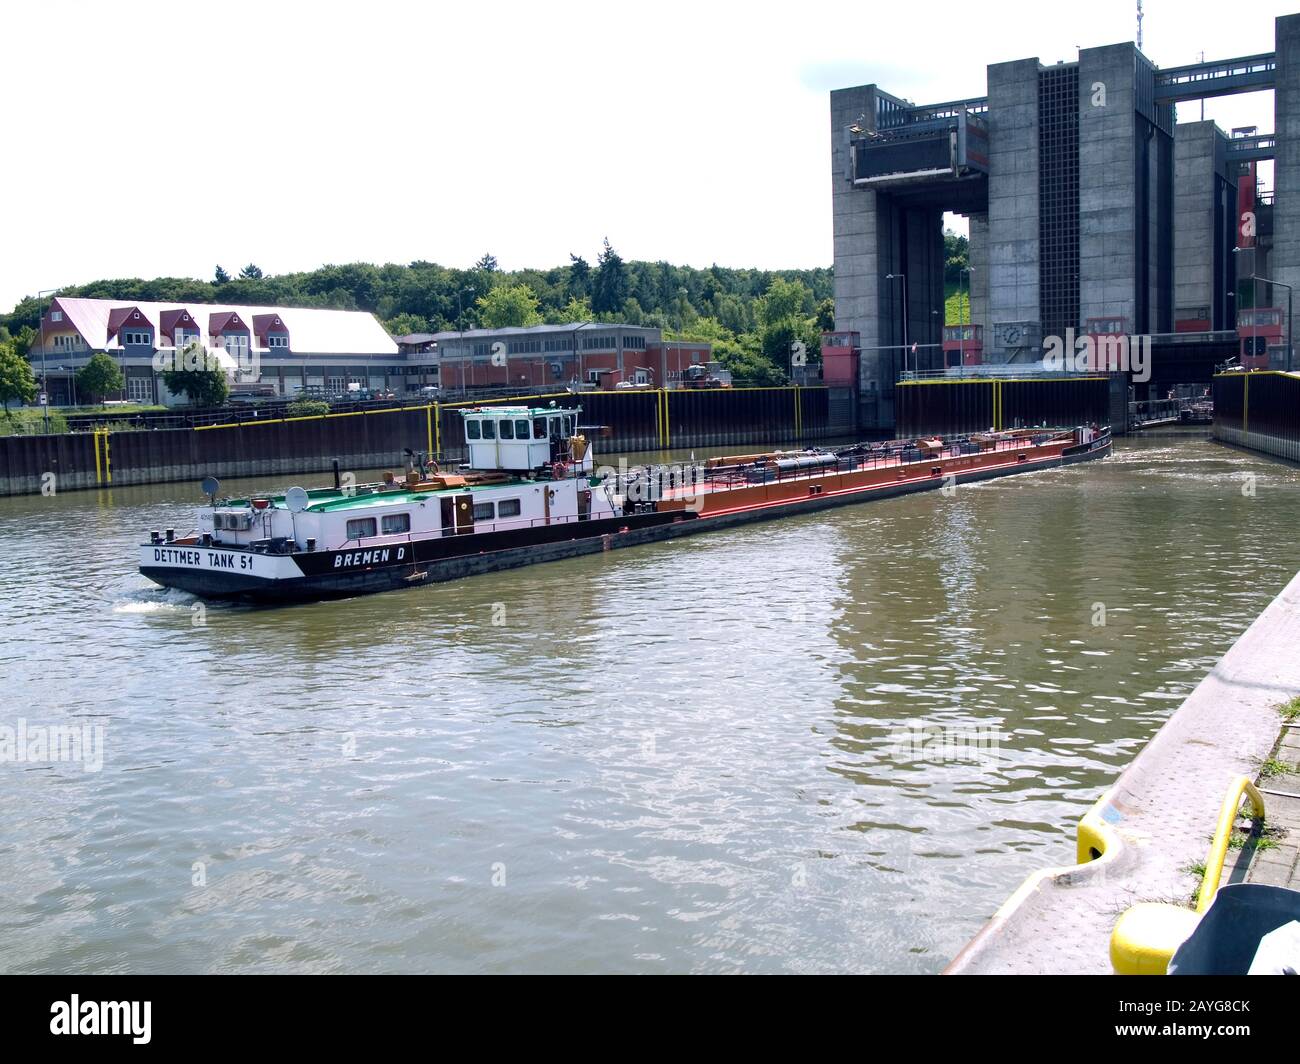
point(753, 318)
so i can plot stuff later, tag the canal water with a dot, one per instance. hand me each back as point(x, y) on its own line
point(834, 743)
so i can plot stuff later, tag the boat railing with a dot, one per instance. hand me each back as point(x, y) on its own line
point(892, 453)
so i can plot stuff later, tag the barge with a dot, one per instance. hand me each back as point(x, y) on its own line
point(532, 493)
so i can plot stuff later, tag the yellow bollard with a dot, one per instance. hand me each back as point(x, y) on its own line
point(1147, 935)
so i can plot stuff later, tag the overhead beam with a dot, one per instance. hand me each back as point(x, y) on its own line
point(1225, 77)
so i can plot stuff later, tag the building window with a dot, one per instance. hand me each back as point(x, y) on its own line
point(483, 511)
point(136, 338)
point(139, 389)
point(508, 508)
point(361, 527)
point(593, 376)
point(634, 343)
point(277, 341)
point(395, 524)
point(56, 315)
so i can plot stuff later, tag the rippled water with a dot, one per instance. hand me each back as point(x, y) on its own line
point(680, 757)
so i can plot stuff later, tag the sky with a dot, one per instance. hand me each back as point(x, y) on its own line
point(161, 139)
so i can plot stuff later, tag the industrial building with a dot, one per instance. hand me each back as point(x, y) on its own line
point(281, 349)
point(1092, 212)
point(598, 354)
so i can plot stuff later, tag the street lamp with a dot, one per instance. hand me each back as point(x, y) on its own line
point(460, 339)
point(1290, 293)
point(965, 306)
point(45, 388)
point(1290, 299)
point(902, 277)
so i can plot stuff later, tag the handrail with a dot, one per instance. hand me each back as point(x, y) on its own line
point(1147, 935)
point(1223, 835)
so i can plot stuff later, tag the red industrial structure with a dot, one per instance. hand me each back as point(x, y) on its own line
point(840, 354)
point(963, 345)
point(1258, 330)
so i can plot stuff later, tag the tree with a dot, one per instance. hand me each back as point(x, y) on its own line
point(783, 299)
point(199, 378)
point(574, 311)
point(579, 277)
point(251, 272)
point(99, 378)
point(508, 306)
point(220, 277)
point(16, 378)
point(610, 288)
point(405, 324)
point(488, 264)
point(826, 315)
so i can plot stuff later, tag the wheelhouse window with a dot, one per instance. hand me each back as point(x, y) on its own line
point(395, 524)
point(361, 527)
point(521, 429)
point(539, 428)
point(489, 430)
point(483, 511)
point(508, 508)
point(507, 430)
point(472, 430)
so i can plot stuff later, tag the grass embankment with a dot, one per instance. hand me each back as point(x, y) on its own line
point(956, 304)
point(30, 420)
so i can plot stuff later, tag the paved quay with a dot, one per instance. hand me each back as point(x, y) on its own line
point(1156, 822)
point(1277, 861)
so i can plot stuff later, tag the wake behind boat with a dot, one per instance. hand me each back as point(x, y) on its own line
point(531, 493)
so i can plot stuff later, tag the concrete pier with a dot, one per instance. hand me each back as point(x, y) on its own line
point(1160, 813)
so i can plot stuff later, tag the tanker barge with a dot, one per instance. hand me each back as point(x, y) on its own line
point(531, 493)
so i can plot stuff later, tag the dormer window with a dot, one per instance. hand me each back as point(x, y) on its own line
point(277, 341)
point(131, 337)
point(56, 315)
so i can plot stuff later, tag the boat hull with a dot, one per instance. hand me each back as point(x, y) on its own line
point(216, 573)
